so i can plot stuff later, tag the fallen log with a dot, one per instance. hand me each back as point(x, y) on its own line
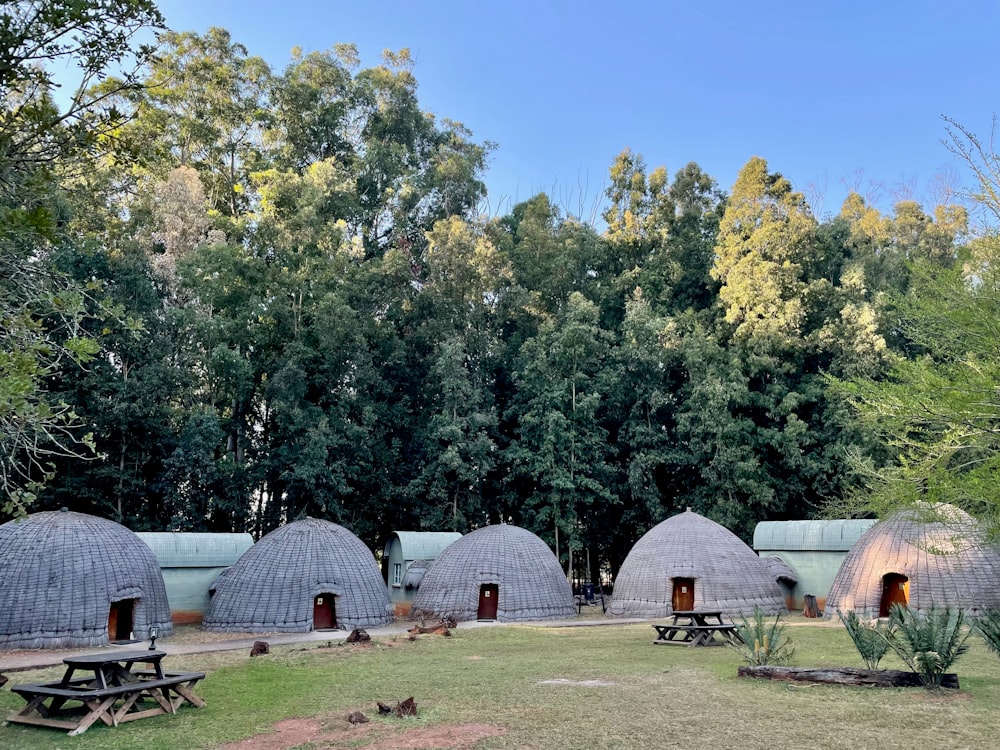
point(843, 676)
point(440, 629)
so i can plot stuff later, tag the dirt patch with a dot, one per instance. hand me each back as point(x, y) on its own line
point(294, 732)
point(287, 733)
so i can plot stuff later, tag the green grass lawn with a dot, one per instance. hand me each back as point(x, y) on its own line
point(658, 697)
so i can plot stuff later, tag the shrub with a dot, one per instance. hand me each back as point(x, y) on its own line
point(928, 643)
point(869, 637)
point(763, 642)
point(988, 626)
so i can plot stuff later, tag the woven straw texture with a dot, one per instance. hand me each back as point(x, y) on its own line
point(728, 576)
point(780, 570)
point(272, 586)
point(59, 573)
point(947, 561)
point(531, 585)
point(415, 574)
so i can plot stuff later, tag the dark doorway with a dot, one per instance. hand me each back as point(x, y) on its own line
point(120, 620)
point(895, 590)
point(489, 593)
point(683, 596)
point(324, 612)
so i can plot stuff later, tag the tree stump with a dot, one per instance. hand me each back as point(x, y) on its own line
point(406, 708)
point(358, 635)
point(810, 607)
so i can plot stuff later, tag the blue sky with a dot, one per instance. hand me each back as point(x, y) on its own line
point(830, 94)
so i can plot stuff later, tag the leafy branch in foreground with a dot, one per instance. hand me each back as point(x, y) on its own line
point(870, 637)
point(988, 626)
point(763, 642)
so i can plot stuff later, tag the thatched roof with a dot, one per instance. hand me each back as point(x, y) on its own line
point(59, 574)
point(940, 549)
point(272, 586)
point(727, 575)
point(780, 570)
point(531, 584)
point(415, 574)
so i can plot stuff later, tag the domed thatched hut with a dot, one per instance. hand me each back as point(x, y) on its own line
point(920, 558)
point(71, 579)
point(688, 563)
point(307, 575)
point(497, 572)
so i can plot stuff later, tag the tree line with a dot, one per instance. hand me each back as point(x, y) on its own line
point(234, 295)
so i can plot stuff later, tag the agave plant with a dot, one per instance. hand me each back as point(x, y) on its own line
point(762, 642)
point(988, 626)
point(928, 643)
point(870, 637)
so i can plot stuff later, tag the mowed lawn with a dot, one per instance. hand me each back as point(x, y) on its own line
point(547, 689)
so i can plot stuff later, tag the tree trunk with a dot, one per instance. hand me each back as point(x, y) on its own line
point(843, 676)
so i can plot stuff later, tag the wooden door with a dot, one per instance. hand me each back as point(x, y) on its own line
point(683, 596)
point(489, 593)
point(120, 620)
point(895, 590)
point(324, 612)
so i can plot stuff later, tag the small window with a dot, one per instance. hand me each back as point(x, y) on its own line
point(397, 574)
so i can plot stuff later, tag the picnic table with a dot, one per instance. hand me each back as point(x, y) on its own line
point(109, 689)
point(696, 628)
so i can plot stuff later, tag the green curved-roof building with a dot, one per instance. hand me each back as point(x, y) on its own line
point(811, 550)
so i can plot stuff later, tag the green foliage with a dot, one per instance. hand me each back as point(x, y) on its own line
point(987, 624)
point(310, 316)
point(870, 638)
point(44, 314)
point(761, 641)
point(936, 410)
point(929, 644)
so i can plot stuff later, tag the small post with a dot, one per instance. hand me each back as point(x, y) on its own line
point(153, 632)
point(810, 607)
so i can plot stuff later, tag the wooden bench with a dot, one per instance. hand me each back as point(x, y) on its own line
point(718, 634)
point(169, 692)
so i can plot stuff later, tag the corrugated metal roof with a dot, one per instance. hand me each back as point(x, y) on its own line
point(423, 545)
point(833, 535)
point(181, 549)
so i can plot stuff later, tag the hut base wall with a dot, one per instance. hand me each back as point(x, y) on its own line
point(187, 617)
point(729, 608)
